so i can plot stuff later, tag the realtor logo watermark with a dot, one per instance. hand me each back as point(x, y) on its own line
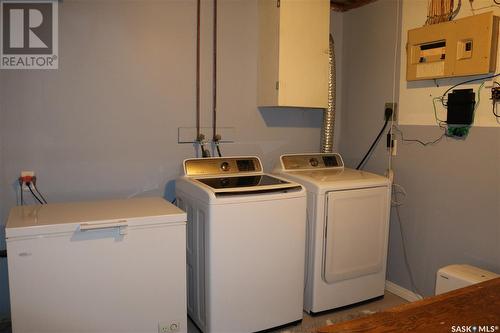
point(29, 34)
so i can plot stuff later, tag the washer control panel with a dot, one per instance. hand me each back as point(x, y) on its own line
point(222, 165)
point(311, 161)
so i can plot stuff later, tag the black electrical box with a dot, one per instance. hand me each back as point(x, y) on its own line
point(460, 105)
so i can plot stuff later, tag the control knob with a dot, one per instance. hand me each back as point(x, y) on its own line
point(314, 162)
point(225, 166)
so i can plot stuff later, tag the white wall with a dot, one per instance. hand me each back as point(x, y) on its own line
point(416, 96)
point(105, 124)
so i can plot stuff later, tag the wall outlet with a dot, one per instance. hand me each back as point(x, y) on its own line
point(24, 174)
point(394, 107)
point(164, 327)
point(28, 173)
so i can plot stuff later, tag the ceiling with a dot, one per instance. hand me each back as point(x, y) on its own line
point(345, 5)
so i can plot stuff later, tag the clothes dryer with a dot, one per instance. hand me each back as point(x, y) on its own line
point(347, 229)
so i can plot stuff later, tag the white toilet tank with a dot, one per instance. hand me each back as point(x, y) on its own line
point(457, 276)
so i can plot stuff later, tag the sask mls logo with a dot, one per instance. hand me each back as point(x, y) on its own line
point(29, 34)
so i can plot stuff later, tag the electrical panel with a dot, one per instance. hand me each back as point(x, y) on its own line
point(462, 47)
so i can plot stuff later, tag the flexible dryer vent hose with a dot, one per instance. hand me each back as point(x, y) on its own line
point(329, 113)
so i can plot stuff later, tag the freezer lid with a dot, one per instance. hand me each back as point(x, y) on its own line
point(63, 217)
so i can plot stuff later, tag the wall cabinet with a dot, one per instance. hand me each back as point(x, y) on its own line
point(293, 53)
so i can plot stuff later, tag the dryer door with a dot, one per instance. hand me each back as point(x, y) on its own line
point(356, 233)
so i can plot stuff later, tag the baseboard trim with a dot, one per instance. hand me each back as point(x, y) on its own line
point(402, 292)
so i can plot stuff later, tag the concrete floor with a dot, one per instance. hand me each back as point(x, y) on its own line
point(310, 323)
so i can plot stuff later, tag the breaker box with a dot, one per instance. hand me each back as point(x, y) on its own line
point(462, 47)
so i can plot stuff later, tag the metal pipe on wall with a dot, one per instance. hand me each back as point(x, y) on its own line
point(214, 81)
point(198, 71)
point(215, 136)
point(327, 130)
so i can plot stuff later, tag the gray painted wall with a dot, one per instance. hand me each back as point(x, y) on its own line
point(452, 210)
point(105, 124)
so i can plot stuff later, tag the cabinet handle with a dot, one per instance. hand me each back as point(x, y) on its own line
point(122, 225)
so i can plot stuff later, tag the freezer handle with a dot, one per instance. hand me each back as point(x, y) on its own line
point(121, 225)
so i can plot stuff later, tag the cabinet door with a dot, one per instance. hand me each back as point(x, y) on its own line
point(293, 53)
point(303, 57)
point(356, 232)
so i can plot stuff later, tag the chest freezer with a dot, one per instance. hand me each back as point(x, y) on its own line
point(108, 266)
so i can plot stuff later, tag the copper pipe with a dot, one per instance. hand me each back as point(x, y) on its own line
point(198, 70)
point(214, 83)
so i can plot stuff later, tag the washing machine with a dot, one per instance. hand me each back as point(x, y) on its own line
point(347, 229)
point(245, 245)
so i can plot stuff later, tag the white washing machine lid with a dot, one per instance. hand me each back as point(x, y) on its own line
point(233, 175)
point(246, 184)
point(317, 174)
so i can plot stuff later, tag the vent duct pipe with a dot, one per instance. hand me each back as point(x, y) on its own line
point(329, 113)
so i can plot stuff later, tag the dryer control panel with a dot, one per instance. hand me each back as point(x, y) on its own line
point(311, 161)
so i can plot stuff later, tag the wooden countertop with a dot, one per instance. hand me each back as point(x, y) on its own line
point(477, 305)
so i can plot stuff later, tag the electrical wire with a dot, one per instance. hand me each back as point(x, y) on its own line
point(423, 143)
point(440, 122)
point(403, 241)
point(377, 139)
point(397, 189)
point(464, 82)
point(39, 193)
point(439, 11)
point(494, 110)
point(494, 102)
point(456, 11)
point(405, 254)
point(479, 96)
point(34, 195)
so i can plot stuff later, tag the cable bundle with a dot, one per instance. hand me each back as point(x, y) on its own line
point(439, 11)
